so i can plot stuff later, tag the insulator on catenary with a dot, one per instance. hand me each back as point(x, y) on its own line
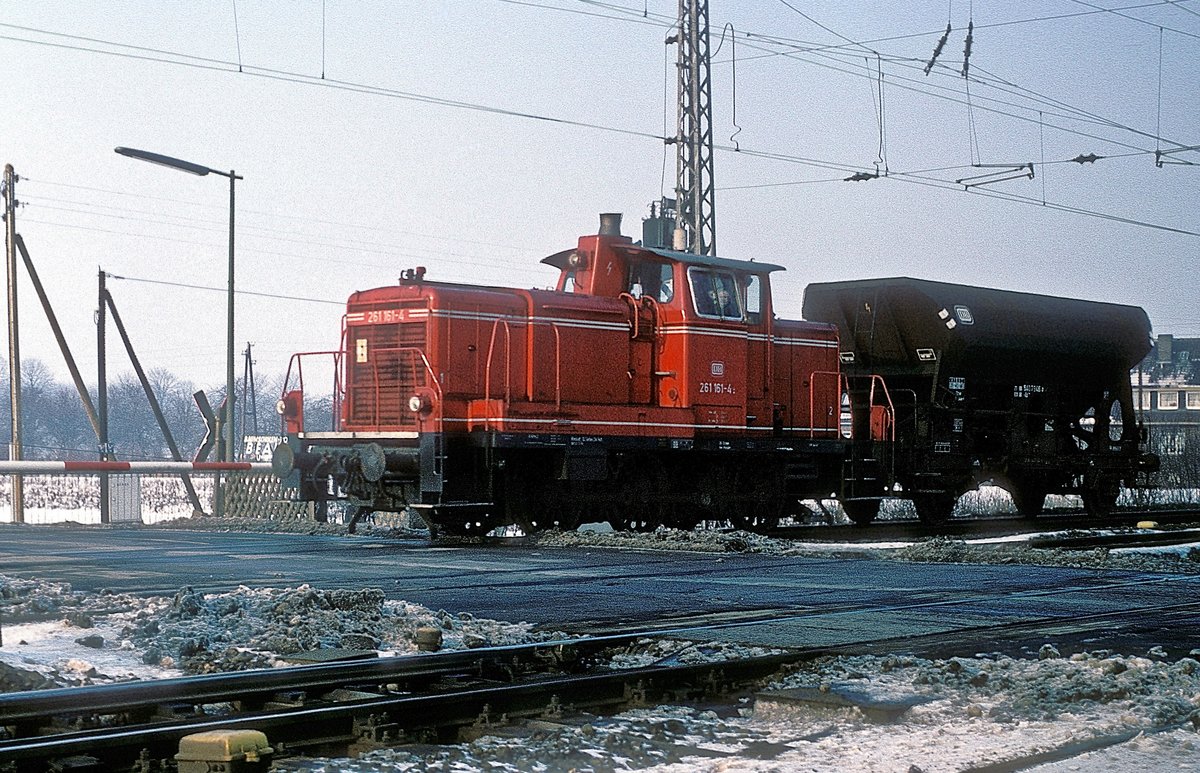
point(967, 47)
point(1090, 158)
point(937, 50)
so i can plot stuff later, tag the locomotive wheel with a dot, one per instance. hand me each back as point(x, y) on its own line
point(754, 522)
point(934, 509)
point(641, 481)
point(360, 513)
point(763, 506)
point(862, 511)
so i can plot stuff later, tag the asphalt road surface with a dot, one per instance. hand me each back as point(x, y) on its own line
point(827, 602)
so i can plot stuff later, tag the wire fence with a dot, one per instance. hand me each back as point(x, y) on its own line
point(148, 498)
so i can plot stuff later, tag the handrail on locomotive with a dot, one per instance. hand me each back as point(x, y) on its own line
point(291, 405)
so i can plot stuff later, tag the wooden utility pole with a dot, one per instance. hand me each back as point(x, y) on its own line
point(14, 346)
point(102, 443)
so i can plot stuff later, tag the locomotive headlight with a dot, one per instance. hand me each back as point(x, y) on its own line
point(418, 404)
point(280, 407)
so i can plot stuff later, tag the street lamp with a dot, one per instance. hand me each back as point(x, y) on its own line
point(197, 169)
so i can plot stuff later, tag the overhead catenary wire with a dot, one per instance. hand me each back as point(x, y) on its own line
point(237, 35)
point(1118, 12)
point(297, 78)
point(168, 57)
point(259, 231)
point(208, 288)
point(903, 83)
point(307, 218)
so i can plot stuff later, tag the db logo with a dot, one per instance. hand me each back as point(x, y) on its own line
point(717, 369)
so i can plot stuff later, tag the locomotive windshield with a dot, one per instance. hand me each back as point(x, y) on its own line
point(715, 293)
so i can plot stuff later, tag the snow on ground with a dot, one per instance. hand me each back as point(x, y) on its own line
point(1175, 558)
point(69, 638)
point(1139, 711)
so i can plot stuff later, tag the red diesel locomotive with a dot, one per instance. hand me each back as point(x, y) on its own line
point(650, 387)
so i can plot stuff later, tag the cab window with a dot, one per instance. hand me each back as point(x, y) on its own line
point(652, 279)
point(754, 298)
point(715, 293)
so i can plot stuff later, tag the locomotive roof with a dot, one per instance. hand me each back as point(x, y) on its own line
point(559, 259)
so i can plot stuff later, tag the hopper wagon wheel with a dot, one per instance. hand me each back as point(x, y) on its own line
point(1099, 494)
point(1028, 498)
point(934, 509)
point(861, 511)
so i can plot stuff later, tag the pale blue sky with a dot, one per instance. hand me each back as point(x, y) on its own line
point(344, 189)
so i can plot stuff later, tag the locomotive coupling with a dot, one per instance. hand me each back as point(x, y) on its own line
point(369, 460)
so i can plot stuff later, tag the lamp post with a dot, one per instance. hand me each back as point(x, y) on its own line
point(199, 170)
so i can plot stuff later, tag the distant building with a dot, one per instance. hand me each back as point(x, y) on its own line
point(1166, 392)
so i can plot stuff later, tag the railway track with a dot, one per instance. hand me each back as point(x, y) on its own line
point(349, 707)
point(354, 706)
point(982, 526)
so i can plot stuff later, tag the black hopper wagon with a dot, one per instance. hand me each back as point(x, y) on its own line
point(1030, 392)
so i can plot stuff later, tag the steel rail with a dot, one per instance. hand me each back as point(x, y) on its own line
point(25, 707)
point(383, 719)
point(977, 526)
point(1131, 540)
point(294, 726)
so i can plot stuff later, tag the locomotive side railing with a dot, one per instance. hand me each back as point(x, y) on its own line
point(891, 409)
point(503, 324)
point(296, 363)
point(487, 370)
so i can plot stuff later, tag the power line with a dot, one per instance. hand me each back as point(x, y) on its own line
point(922, 86)
point(163, 57)
point(242, 211)
point(1147, 22)
point(160, 56)
point(241, 249)
point(827, 29)
point(185, 285)
point(1180, 6)
point(391, 250)
point(814, 47)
